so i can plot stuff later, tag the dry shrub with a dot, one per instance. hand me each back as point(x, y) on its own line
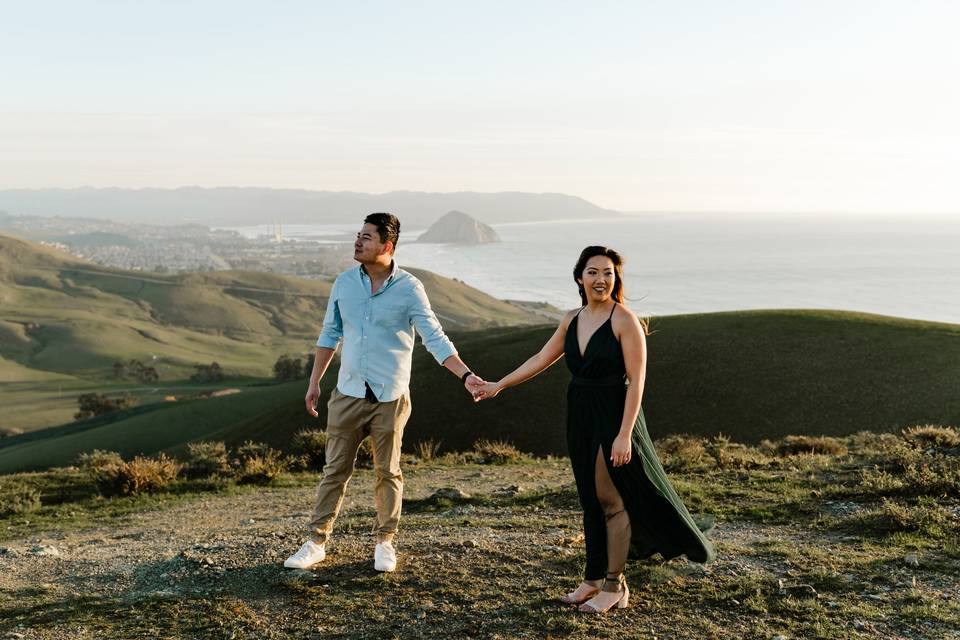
point(496, 452)
point(93, 461)
point(140, 475)
point(427, 450)
point(932, 436)
point(734, 455)
point(868, 442)
point(927, 517)
point(679, 452)
point(256, 463)
point(312, 443)
point(16, 500)
point(878, 482)
point(206, 460)
point(794, 445)
point(365, 453)
point(905, 470)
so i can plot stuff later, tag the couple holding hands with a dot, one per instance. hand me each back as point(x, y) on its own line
point(628, 502)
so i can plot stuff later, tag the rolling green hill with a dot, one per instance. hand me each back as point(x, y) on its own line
point(750, 375)
point(66, 321)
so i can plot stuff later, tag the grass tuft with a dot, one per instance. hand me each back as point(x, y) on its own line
point(496, 452)
point(794, 445)
point(930, 435)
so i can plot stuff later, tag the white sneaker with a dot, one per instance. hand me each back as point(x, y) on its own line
point(309, 554)
point(385, 557)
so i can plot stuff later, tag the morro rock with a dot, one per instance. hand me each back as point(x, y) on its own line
point(459, 228)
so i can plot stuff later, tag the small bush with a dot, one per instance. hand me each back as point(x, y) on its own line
point(257, 463)
point(907, 471)
point(18, 500)
point(312, 443)
point(794, 445)
point(681, 452)
point(932, 436)
point(94, 461)
point(496, 452)
point(140, 475)
point(206, 460)
point(927, 518)
point(868, 442)
point(427, 450)
point(733, 455)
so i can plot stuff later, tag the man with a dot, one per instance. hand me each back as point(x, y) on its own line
point(374, 309)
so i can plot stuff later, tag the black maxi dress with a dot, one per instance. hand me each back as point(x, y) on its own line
point(659, 521)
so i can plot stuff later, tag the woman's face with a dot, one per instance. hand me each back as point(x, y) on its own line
point(598, 279)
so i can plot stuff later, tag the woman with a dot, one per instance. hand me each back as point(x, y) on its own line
point(623, 489)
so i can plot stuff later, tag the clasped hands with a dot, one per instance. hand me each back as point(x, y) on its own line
point(479, 388)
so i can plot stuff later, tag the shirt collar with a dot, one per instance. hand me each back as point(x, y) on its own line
point(393, 271)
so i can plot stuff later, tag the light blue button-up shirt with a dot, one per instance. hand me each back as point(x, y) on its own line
point(377, 330)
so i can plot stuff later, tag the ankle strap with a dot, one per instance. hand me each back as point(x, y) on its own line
point(614, 582)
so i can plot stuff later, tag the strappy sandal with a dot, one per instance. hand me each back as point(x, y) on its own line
point(622, 603)
point(570, 598)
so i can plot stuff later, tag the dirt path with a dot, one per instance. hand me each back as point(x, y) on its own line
point(212, 568)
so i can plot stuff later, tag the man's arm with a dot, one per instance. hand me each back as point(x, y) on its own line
point(320, 363)
point(327, 343)
point(436, 341)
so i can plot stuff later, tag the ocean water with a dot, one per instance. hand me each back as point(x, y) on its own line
point(906, 266)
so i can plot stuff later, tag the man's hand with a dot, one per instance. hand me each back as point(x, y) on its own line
point(313, 395)
point(474, 385)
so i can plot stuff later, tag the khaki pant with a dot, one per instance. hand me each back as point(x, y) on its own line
point(349, 421)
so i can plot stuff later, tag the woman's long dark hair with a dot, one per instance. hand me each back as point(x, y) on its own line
point(617, 260)
point(591, 252)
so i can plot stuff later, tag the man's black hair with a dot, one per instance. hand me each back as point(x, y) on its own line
point(388, 226)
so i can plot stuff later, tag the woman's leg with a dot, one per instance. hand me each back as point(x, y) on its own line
point(617, 523)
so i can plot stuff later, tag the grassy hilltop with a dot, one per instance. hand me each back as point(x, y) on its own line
point(750, 375)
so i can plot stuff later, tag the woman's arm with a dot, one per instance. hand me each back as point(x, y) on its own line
point(550, 353)
point(634, 345)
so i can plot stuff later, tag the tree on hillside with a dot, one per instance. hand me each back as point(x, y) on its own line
point(95, 404)
point(207, 373)
point(288, 368)
point(136, 370)
point(308, 364)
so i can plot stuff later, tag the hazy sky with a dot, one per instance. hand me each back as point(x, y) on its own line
point(743, 105)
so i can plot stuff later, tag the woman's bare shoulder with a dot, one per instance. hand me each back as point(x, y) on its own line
point(568, 317)
point(624, 318)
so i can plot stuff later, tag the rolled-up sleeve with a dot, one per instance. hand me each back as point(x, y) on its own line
point(332, 331)
point(427, 325)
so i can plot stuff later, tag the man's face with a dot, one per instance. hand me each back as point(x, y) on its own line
point(367, 247)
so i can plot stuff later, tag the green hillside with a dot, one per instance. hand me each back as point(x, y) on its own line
point(66, 321)
point(750, 375)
